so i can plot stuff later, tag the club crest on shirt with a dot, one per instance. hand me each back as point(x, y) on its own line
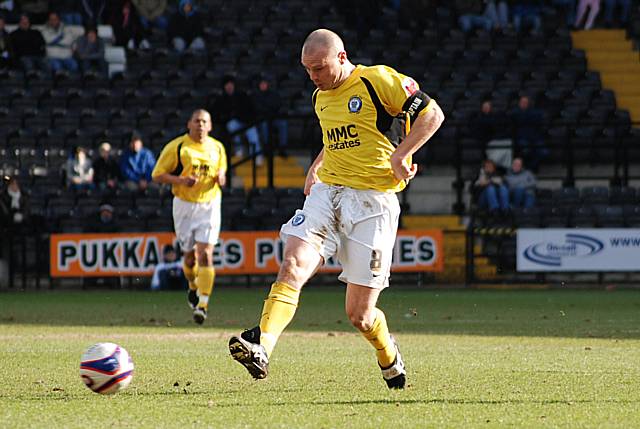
point(297, 219)
point(355, 104)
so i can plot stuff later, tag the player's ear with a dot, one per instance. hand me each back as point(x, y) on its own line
point(342, 57)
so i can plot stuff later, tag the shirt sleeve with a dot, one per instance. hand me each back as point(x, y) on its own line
point(394, 88)
point(167, 162)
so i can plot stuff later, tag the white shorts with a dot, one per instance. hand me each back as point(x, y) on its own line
point(358, 226)
point(196, 222)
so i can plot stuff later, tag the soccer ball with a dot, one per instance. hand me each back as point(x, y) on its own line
point(106, 368)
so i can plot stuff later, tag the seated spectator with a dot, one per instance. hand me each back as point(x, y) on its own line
point(594, 8)
point(5, 46)
point(127, 27)
point(527, 13)
point(136, 164)
point(237, 110)
point(168, 274)
point(58, 40)
point(528, 123)
point(106, 171)
point(610, 9)
point(79, 171)
point(489, 190)
point(152, 13)
point(28, 46)
point(270, 111)
point(14, 204)
point(186, 30)
point(491, 130)
point(88, 50)
point(522, 185)
point(104, 221)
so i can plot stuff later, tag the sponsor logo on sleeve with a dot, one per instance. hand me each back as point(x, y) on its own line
point(409, 85)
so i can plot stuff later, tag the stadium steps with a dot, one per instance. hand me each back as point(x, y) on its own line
point(288, 173)
point(454, 247)
point(611, 53)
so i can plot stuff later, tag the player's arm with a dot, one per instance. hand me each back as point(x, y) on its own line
point(222, 167)
point(312, 174)
point(165, 168)
point(424, 127)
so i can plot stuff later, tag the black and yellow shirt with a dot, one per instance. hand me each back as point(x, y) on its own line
point(185, 157)
point(356, 120)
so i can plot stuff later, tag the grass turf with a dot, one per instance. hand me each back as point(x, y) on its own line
point(475, 359)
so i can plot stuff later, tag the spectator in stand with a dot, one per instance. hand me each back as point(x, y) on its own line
point(186, 30)
point(489, 189)
point(127, 27)
point(36, 9)
point(88, 50)
point(594, 8)
point(106, 172)
point(522, 185)
point(5, 46)
point(270, 111)
point(79, 171)
point(69, 11)
point(527, 12)
point(93, 12)
point(237, 110)
point(168, 274)
point(152, 13)
point(136, 164)
point(58, 40)
point(28, 46)
point(610, 9)
point(14, 204)
point(528, 123)
point(104, 221)
point(569, 7)
point(491, 130)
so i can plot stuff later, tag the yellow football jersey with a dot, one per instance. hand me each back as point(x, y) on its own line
point(358, 128)
point(185, 157)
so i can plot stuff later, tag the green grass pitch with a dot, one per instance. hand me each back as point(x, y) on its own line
point(475, 359)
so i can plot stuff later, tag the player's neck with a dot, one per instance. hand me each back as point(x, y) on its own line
point(197, 139)
point(347, 69)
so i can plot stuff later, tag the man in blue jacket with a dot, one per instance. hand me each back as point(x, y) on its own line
point(136, 164)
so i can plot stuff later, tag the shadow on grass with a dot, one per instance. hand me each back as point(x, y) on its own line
point(557, 313)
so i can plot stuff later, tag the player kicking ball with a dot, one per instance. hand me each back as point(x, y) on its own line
point(195, 165)
point(351, 210)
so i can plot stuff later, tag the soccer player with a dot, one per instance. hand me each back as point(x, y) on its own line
point(195, 166)
point(351, 209)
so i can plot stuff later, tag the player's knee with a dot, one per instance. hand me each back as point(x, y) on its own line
point(291, 268)
point(359, 319)
point(189, 260)
point(205, 259)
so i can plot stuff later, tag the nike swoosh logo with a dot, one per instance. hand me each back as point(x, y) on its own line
point(323, 107)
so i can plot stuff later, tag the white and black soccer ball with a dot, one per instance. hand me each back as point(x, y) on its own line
point(106, 368)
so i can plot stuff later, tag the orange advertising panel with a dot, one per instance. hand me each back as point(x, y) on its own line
point(250, 252)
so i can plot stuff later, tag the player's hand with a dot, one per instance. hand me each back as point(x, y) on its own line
point(401, 170)
point(222, 178)
point(187, 180)
point(311, 179)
